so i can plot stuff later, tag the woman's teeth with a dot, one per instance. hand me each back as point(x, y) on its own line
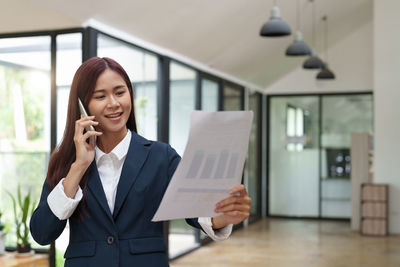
point(113, 115)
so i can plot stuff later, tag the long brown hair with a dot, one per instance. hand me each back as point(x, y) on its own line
point(82, 86)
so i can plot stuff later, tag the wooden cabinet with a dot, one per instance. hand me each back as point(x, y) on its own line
point(374, 209)
point(13, 260)
point(361, 160)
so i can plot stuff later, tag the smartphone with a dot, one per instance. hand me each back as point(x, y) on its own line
point(84, 113)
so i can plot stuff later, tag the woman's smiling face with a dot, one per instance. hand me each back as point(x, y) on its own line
point(111, 103)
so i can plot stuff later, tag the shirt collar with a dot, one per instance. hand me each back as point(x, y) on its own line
point(119, 151)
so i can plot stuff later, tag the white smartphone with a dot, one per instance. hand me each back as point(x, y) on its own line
point(84, 113)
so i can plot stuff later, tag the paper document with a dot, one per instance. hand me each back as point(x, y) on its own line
point(211, 165)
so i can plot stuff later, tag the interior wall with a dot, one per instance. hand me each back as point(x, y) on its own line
point(387, 110)
point(24, 16)
point(350, 59)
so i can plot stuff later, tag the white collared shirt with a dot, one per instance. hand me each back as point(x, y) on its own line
point(109, 167)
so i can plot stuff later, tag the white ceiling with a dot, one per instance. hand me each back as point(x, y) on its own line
point(220, 34)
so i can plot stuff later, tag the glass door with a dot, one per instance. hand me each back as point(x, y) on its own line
point(293, 156)
point(342, 115)
point(309, 153)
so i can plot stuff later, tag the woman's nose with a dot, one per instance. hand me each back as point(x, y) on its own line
point(112, 102)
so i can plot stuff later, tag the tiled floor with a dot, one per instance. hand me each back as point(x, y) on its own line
point(282, 242)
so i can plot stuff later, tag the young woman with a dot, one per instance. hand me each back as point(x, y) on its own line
point(109, 190)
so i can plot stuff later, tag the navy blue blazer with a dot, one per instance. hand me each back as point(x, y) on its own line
point(127, 237)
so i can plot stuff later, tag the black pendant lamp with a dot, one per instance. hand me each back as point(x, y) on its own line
point(275, 26)
point(313, 61)
point(298, 47)
point(325, 73)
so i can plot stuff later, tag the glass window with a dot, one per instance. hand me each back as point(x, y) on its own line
point(209, 95)
point(232, 98)
point(68, 58)
point(142, 69)
point(253, 159)
point(182, 103)
point(295, 132)
point(209, 102)
point(24, 120)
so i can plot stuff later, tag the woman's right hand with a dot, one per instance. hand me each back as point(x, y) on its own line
point(84, 155)
point(84, 151)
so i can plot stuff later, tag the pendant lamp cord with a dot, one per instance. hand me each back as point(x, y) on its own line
point(313, 23)
point(298, 15)
point(275, 1)
point(325, 19)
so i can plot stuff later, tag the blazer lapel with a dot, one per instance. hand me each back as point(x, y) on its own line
point(135, 158)
point(94, 184)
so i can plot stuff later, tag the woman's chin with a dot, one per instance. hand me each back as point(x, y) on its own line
point(114, 129)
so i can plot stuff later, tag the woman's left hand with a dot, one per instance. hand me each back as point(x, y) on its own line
point(235, 209)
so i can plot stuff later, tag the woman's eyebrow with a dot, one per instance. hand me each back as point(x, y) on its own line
point(103, 90)
point(119, 86)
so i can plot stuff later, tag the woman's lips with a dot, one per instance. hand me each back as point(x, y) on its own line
point(114, 117)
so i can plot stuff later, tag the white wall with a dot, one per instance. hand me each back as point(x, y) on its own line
point(350, 59)
point(366, 60)
point(25, 15)
point(387, 96)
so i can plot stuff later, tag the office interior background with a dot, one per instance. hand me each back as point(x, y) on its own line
point(208, 55)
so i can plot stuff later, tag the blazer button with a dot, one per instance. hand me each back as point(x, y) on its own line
point(110, 240)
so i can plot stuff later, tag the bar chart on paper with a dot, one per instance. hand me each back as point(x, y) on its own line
point(211, 164)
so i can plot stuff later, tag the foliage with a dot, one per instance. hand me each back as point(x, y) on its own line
point(25, 101)
point(6, 108)
point(59, 258)
point(23, 209)
point(22, 161)
point(140, 113)
point(27, 169)
point(141, 102)
point(2, 225)
point(33, 102)
point(34, 109)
